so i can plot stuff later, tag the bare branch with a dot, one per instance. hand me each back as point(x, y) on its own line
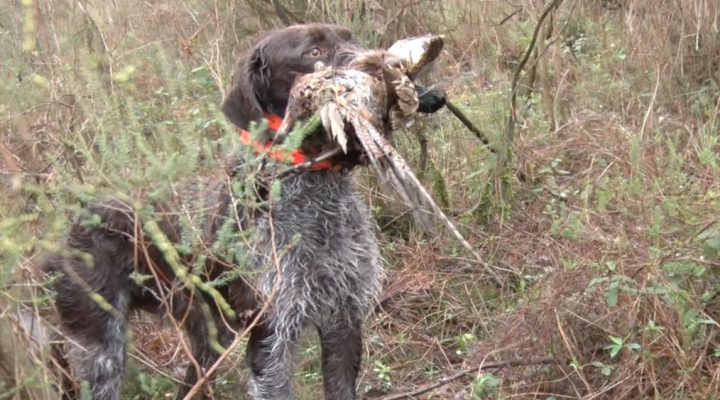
point(472, 370)
point(521, 66)
point(468, 124)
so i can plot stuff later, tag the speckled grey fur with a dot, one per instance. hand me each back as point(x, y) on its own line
point(329, 270)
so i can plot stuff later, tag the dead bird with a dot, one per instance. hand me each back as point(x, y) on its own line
point(359, 106)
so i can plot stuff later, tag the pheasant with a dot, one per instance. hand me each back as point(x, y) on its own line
point(372, 86)
point(359, 106)
point(377, 85)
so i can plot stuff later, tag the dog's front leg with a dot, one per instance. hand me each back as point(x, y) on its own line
point(341, 355)
point(270, 359)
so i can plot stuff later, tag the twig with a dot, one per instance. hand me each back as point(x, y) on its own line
point(268, 303)
point(468, 371)
point(464, 119)
point(521, 66)
point(506, 19)
point(572, 349)
point(702, 229)
point(204, 377)
point(284, 14)
point(503, 158)
point(149, 364)
point(649, 110)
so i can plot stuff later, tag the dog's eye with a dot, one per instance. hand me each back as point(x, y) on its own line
point(315, 52)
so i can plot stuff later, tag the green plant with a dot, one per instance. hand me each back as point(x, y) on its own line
point(382, 373)
point(605, 370)
point(465, 342)
point(152, 386)
point(614, 284)
point(710, 240)
point(485, 387)
point(311, 373)
point(617, 344)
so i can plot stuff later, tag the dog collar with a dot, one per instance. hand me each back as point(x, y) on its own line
point(295, 157)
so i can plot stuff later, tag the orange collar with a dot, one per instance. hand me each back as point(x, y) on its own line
point(295, 156)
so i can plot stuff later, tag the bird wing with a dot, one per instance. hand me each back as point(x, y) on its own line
point(418, 53)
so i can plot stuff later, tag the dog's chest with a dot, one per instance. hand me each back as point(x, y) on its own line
point(320, 238)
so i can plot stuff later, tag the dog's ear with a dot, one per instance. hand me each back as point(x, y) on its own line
point(252, 77)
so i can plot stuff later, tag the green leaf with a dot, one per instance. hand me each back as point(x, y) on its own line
point(632, 346)
point(615, 347)
point(613, 350)
point(85, 391)
point(611, 297)
point(653, 327)
point(486, 381)
point(683, 269)
point(611, 266)
point(605, 369)
point(574, 363)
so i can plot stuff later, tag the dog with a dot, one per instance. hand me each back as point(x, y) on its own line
point(314, 261)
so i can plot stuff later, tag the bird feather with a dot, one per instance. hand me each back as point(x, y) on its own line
point(333, 121)
point(391, 166)
point(418, 53)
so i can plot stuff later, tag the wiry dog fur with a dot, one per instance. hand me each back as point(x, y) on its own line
point(314, 248)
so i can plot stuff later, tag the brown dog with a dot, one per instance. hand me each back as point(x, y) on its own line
point(314, 258)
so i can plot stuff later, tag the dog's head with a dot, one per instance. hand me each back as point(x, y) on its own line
point(266, 73)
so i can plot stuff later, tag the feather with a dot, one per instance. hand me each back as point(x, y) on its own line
point(418, 53)
point(392, 167)
point(333, 121)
